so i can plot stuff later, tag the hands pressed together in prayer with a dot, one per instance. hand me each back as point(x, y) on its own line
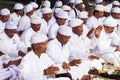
point(51, 70)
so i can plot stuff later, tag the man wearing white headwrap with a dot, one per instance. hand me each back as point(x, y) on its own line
point(77, 9)
point(48, 19)
point(34, 28)
point(46, 3)
point(81, 49)
point(116, 4)
point(24, 22)
point(71, 3)
point(99, 2)
point(4, 17)
point(15, 47)
point(37, 65)
point(61, 19)
point(18, 12)
point(106, 43)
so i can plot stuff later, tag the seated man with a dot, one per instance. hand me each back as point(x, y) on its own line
point(36, 65)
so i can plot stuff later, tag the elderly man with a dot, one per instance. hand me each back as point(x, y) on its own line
point(36, 65)
point(106, 43)
point(48, 19)
point(4, 17)
point(18, 12)
point(15, 47)
point(61, 18)
point(35, 28)
point(24, 23)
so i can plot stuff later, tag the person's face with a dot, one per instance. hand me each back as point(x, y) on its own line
point(78, 30)
point(47, 16)
point(5, 18)
point(84, 20)
point(106, 14)
point(100, 13)
point(21, 12)
point(31, 12)
point(61, 21)
point(71, 5)
point(40, 47)
point(63, 39)
point(79, 6)
point(36, 27)
point(10, 32)
point(116, 15)
point(108, 29)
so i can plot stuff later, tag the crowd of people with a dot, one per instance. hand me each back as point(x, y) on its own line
point(62, 43)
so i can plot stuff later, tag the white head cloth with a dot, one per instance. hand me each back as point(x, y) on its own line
point(107, 9)
point(34, 4)
point(5, 11)
point(78, 2)
point(38, 37)
point(116, 3)
point(28, 8)
point(46, 10)
point(83, 14)
point(75, 22)
point(99, 7)
point(116, 10)
point(65, 30)
point(35, 19)
point(110, 22)
point(62, 14)
point(18, 6)
point(10, 25)
point(46, 3)
point(98, 1)
point(66, 7)
point(58, 4)
point(71, 1)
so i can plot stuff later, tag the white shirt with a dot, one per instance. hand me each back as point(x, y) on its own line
point(26, 36)
point(14, 44)
point(93, 22)
point(73, 13)
point(2, 26)
point(57, 52)
point(53, 30)
point(45, 26)
point(14, 17)
point(32, 66)
point(24, 23)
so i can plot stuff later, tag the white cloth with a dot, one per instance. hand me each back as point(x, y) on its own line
point(93, 22)
point(26, 36)
point(14, 44)
point(2, 26)
point(99, 8)
point(45, 26)
point(32, 66)
point(18, 6)
point(53, 30)
point(15, 18)
point(105, 46)
point(24, 23)
point(4, 11)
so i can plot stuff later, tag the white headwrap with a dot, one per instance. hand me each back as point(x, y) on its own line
point(66, 7)
point(78, 2)
point(46, 3)
point(10, 25)
point(98, 1)
point(58, 4)
point(35, 19)
point(65, 30)
point(83, 14)
point(38, 37)
point(46, 10)
point(28, 8)
point(116, 3)
point(34, 4)
point(107, 9)
point(62, 14)
point(71, 1)
point(116, 10)
point(110, 22)
point(75, 22)
point(99, 7)
point(18, 6)
point(4, 11)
